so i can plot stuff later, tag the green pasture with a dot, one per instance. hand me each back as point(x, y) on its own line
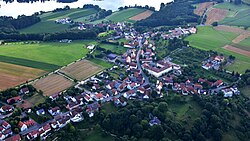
point(114, 48)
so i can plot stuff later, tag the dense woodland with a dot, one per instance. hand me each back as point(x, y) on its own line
point(31, 1)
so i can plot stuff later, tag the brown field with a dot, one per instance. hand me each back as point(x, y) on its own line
point(241, 37)
point(237, 50)
point(215, 15)
point(229, 29)
point(12, 75)
point(52, 84)
point(81, 70)
point(202, 7)
point(142, 15)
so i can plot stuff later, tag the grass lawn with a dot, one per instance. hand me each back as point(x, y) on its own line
point(114, 48)
point(208, 38)
point(245, 91)
point(48, 25)
point(53, 53)
point(238, 15)
point(101, 63)
point(121, 16)
point(109, 108)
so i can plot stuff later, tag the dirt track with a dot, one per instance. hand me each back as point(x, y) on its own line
point(142, 15)
point(202, 7)
point(237, 50)
point(241, 37)
point(215, 15)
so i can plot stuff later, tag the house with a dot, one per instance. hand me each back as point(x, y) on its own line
point(132, 66)
point(154, 121)
point(40, 112)
point(54, 96)
point(14, 138)
point(60, 121)
point(29, 123)
point(5, 124)
point(227, 92)
point(168, 80)
point(112, 57)
point(91, 108)
point(132, 85)
point(6, 108)
point(91, 47)
point(87, 98)
point(24, 90)
point(54, 111)
point(118, 102)
point(22, 126)
point(129, 94)
point(14, 100)
point(76, 116)
point(44, 130)
point(32, 135)
point(218, 83)
point(2, 136)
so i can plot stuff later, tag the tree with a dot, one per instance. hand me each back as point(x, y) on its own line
point(215, 24)
point(156, 132)
point(162, 6)
point(217, 134)
point(163, 106)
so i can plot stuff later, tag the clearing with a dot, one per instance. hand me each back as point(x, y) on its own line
point(142, 15)
point(215, 15)
point(81, 70)
point(52, 84)
point(50, 53)
point(48, 25)
point(208, 38)
point(202, 7)
point(12, 75)
point(238, 15)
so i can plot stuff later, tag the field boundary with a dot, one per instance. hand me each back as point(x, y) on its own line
point(237, 50)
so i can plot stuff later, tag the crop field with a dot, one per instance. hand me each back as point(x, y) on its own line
point(81, 70)
point(245, 44)
point(237, 50)
point(48, 54)
point(114, 48)
point(232, 29)
point(238, 15)
point(48, 25)
point(215, 15)
point(208, 38)
point(121, 16)
point(202, 7)
point(52, 84)
point(142, 15)
point(12, 75)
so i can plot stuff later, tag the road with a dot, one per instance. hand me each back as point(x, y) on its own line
point(139, 66)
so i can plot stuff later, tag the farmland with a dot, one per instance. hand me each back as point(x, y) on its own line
point(52, 84)
point(48, 25)
point(142, 15)
point(12, 75)
point(114, 48)
point(47, 53)
point(245, 44)
point(202, 7)
point(123, 15)
point(81, 70)
point(215, 15)
point(208, 38)
point(238, 15)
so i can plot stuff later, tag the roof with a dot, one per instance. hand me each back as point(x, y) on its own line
point(112, 56)
point(17, 98)
point(14, 138)
point(99, 95)
point(20, 124)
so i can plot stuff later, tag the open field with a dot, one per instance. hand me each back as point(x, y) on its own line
point(46, 53)
point(12, 75)
point(102, 63)
point(114, 48)
point(237, 50)
point(81, 70)
point(142, 15)
point(241, 37)
point(48, 25)
point(52, 84)
point(232, 29)
point(238, 15)
point(215, 15)
point(246, 44)
point(32, 101)
point(202, 7)
point(208, 38)
point(121, 16)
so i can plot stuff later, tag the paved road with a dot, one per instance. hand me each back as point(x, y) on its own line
point(139, 66)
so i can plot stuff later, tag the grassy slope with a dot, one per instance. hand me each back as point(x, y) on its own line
point(209, 39)
point(121, 16)
point(238, 15)
point(58, 54)
point(48, 25)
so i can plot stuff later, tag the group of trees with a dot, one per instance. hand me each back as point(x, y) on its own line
point(174, 13)
point(137, 6)
point(31, 1)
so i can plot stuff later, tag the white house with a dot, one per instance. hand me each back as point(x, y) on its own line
point(22, 126)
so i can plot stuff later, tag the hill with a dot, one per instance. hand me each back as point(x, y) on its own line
point(48, 25)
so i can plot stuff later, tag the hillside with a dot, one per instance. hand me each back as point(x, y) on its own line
point(48, 25)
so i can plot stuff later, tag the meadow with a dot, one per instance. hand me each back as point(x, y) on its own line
point(208, 38)
point(245, 44)
point(114, 48)
point(48, 25)
point(238, 15)
point(43, 55)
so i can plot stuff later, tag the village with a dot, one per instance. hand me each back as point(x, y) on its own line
point(136, 68)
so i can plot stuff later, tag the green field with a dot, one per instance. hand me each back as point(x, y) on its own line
point(208, 38)
point(43, 55)
point(101, 63)
point(238, 15)
point(121, 16)
point(48, 25)
point(114, 48)
point(245, 44)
